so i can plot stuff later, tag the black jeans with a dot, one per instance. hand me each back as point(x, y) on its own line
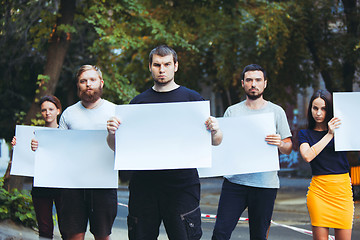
point(149, 204)
point(234, 199)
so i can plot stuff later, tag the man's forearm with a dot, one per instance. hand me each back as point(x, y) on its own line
point(285, 147)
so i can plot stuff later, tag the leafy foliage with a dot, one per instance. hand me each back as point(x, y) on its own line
point(17, 206)
point(20, 62)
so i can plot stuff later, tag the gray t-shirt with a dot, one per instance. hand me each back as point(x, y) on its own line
point(262, 179)
point(80, 118)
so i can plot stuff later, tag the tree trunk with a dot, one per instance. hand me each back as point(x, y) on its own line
point(58, 45)
point(320, 65)
point(351, 57)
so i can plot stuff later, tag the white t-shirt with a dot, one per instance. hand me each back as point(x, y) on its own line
point(80, 118)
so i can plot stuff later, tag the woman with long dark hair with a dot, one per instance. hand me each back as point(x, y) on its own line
point(329, 198)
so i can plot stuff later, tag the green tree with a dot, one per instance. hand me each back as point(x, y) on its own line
point(20, 62)
point(331, 32)
point(58, 44)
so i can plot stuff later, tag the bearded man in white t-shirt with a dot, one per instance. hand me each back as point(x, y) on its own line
point(98, 206)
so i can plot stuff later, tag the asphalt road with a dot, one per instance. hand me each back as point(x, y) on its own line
point(290, 218)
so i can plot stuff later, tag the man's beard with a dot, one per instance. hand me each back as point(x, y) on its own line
point(90, 96)
point(254, 97)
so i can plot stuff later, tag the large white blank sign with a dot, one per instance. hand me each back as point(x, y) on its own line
point(163, 136)
point(347, 109)
point(74, 159)
point(244, 149)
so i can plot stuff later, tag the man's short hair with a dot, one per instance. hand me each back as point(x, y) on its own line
point(253, 67)
point(162, 51)
point(85, 68)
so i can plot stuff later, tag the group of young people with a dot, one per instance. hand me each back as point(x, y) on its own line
point(173, 196)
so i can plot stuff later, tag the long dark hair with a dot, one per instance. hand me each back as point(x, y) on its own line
point(326, 96)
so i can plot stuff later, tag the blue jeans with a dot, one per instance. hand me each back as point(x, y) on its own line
point(234, 199)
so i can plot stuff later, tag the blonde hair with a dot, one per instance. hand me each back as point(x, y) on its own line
point(85, 68)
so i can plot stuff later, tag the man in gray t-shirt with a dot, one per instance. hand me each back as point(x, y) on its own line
point(255, 191)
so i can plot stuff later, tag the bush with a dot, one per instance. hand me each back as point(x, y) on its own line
point(17, 206)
